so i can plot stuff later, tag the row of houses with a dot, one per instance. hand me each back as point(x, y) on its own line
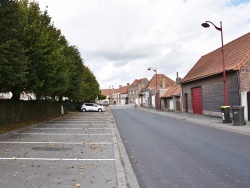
point(142, 92)
point(201, 91)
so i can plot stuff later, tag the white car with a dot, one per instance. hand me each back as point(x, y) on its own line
point(92, 107)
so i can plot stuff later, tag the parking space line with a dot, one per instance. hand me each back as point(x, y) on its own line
point(66, 143)
point(80, 122)
point(54, 134)
point(72, 124)
point(59, 128)
point(56, 159)
point(52, 128)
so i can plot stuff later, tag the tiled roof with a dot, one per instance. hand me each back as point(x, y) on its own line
point(136, 82)
point(169, 92)
point(160, 77)
point(177, 91)
point(236, 54)
point(110, 91)
point(123, 90)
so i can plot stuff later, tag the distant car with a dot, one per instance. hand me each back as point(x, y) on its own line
point(105, 103)
point(92, 107)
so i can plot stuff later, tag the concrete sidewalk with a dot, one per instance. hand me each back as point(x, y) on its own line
point(201, 120)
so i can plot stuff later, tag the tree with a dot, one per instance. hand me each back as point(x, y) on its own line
point(36, 58)
point(47, 74)
point(75, 66)
point(13, 62)
point(102, 97)
point(89, 87)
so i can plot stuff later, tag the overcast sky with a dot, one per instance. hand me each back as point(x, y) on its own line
point(120, 39)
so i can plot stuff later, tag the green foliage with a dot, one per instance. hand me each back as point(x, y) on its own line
point(13, 63)
point(36, 57)
point(90, 87)
point(101, 97)
point(75, 67)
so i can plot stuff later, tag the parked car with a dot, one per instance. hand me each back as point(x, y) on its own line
point(92, 107)
point(105, 103)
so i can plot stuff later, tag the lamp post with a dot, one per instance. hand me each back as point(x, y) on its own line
point(156, 98)
point(205, 25)
point(109, 93)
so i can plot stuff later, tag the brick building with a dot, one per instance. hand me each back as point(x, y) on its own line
point(150, 97)
point(135, 89)
point(202, 87)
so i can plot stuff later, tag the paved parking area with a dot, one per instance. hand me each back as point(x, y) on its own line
point(78, 150)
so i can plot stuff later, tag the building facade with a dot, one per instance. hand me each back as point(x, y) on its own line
point(154, 89)
point(203, 86)
point(134, 90)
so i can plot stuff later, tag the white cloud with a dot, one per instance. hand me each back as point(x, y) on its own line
point(120, 39)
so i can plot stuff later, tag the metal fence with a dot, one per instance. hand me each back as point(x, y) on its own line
point(17, 111)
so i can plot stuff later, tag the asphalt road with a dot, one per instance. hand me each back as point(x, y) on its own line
point(166, 152)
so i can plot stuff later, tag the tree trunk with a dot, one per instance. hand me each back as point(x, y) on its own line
point(15, 95)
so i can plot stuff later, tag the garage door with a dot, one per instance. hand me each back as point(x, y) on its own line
point(197, 100)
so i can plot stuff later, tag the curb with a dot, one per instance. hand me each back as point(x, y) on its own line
point(125, 175)
point(237, 129)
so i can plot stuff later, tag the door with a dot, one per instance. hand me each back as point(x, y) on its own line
point(171, 104)
point(248, 105)
point(186, 102)
point(197, 100)
point(178, 104)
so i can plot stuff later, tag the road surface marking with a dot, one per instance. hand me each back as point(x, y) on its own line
point(72, 124)
point(52, 128)
point(55, 159)
point(52, 134)
point(69, 143)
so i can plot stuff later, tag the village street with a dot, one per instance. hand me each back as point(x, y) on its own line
point(166, 149)
point(185, 151)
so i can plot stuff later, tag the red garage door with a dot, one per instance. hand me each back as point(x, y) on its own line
point(197, 100)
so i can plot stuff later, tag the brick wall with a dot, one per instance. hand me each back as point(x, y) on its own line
point(245, 77)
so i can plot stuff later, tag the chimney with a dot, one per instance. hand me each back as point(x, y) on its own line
point(120, 86)
point(163, 83)
point(128, 84)
point(177, 78)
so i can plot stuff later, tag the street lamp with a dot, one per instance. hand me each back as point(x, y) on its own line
point(156, 98)
point(206, 24)
point(109, 93)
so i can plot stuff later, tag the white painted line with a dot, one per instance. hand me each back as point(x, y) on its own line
point(55, 159)
point(95, 121)
point(71, 124)
point(52, 134)
point(52, 128)
point(60, 128)
point(69, 143)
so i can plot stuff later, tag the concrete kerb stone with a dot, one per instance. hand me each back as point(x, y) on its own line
point(201, 120)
